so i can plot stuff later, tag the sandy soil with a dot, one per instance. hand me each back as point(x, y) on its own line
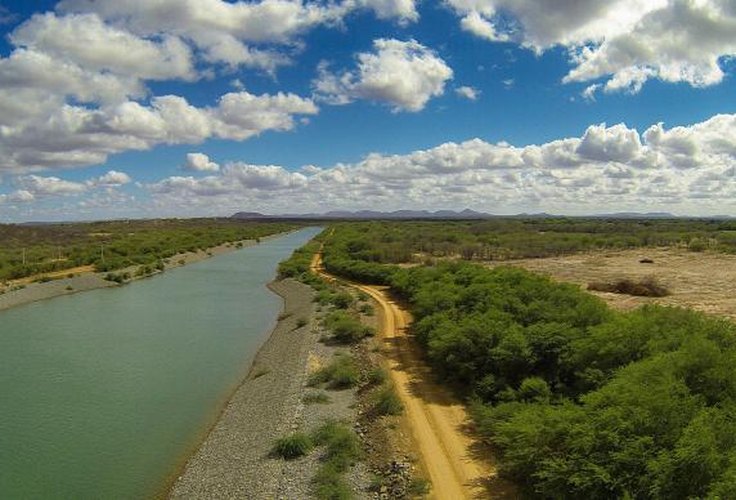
point(437, 421)
point(702, 281)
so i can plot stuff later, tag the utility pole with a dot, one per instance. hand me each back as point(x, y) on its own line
point(102, 252)
point(24, 256)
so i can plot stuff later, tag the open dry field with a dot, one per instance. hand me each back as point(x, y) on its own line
point(704, 281)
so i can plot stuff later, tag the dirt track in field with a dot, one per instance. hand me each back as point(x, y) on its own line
point(456, 465)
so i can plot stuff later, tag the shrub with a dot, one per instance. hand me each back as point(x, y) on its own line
point(387, 402)
point(646, 287)
point(367, 309)
point(343, 450)
point(342, 300)
point(343, 445)
point(293, 446)
point(329, 484)
point(341, 373)
point(377, 376)
point(346, 329)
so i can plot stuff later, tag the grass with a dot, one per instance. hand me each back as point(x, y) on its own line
point(293, 446)
point(376, 376)
point(346, 329)
point(418, 487)
point(343, 449)
point(386, 402)
point(646, 287)
point(341, 373)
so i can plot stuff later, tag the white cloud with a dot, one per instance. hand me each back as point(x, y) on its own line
point(76, 136)
point(691, 169)
point(406, 75)
point(200, 162)
point(626, 41)
point(85, 40)
point(111, 179)
point(404, 11)
point(34, 187)
point(227, 31)
point(468, 92)
point(50, 186)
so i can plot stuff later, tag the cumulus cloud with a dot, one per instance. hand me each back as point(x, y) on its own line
point(75, 135)
point(608, 168)
point(227, 32)
point(468, 92)
point(404, 11)
point(85, 40)
point(111, 179)
point(403, 74)
point(35, 187)
point(200, 162)
point(626, 41)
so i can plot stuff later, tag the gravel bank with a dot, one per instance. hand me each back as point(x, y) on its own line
point(233, 460)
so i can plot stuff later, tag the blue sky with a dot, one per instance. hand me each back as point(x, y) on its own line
point(205, 107)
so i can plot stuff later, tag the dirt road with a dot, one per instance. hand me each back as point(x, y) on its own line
point(437, 421)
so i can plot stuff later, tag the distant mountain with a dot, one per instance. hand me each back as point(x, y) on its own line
point(636, 215)
point(371, 214)
point(249, 215)
point(466, 214)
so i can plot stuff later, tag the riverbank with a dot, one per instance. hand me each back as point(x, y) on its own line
point(232, 461)
point(28, 290)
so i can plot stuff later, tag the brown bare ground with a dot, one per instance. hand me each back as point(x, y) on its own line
point(702, 281)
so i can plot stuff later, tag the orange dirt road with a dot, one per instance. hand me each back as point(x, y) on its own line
point(438, 422)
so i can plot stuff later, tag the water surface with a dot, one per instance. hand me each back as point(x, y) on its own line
point(103, 393)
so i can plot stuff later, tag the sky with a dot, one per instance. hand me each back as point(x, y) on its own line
point(158, 108)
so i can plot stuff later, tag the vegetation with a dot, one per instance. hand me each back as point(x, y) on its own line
point(345, 328)
point(578, 400)
point(647, 287)
point(581, 401)
point(342, 451)
point(361, 250)
point(293, 446)
point(341, 373)
point(28, 250)
point(386, 402)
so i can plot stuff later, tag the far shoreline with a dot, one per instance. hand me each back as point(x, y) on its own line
point(88, 281)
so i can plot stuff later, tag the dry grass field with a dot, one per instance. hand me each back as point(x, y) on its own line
point(703, 281)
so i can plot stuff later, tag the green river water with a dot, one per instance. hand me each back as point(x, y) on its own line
point(104, 393)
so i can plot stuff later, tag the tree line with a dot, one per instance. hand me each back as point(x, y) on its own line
point(27, 250)
point(579, 401)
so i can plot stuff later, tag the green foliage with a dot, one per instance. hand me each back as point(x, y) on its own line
point(580, 401)
point(293, 446)
point(343, 449)
point(360, 250)
point(377, 376)
point(341, 373)
point(346, 329)
point(386, 402)
point(113, 245)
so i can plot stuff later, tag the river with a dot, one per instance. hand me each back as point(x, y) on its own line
point(103, 394)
